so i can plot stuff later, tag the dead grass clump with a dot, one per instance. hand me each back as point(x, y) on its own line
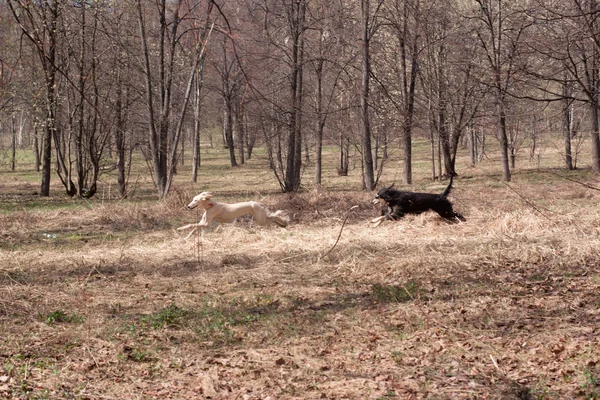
point(320, 204)
point(579, 194)
point(189, 267)
point(127, 217)
point(522, 221)
point(240, 259)
point(19, 222)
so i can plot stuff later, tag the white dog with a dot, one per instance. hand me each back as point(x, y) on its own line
point(222, 212)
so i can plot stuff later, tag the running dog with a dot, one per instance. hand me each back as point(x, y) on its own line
point(396, 204)
point(222, 212)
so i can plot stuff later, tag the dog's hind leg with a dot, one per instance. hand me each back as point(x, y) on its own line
point(278, 218)
point(260, 214)
point(445, 211)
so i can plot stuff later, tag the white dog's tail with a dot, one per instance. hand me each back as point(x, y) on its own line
point(278, 217)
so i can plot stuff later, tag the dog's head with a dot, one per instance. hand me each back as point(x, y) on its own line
point(203, 200)
point(384, 196)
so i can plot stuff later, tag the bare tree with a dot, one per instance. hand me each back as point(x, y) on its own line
point(200, 39)
point(296, 17)
point(569, 44)
point(500, 34)
point(454, 94)
point(163, 134)
point(231, 79)
point(39, 23)
point(568, 124)
point(399, 82)
point(87, 130)
point(368, 29)
point(325, 94)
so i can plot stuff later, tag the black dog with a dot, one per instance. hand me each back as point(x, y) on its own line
point(396, 204)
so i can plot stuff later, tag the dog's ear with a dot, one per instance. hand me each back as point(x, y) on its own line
point(392, 185)
point(207, 196)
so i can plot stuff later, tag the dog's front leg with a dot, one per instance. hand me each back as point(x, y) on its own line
point(188, 226)
point(191, 233)
point(207, 218)
point(386, 212)
point(203, 222)
point(194, 226)
point(377, 221)
point(395, 214)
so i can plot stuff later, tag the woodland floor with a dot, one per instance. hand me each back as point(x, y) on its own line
point(105, 300)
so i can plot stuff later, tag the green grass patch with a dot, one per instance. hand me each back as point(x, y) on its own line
point(590, 385)
point(214, 321)
point(59, 317)
point(167, 317)
point(394, 293)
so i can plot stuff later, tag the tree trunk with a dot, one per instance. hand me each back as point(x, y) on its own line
point(239, 123)
point(250, 138)
point(320, 118)
point(228, 125)
point(344, 156)
point(13, 142)
point(568, 132)
point(320, 123)
point(594, 93)
point(595, 140)
point(299, 109)
point(36, 146)
point(439, 157)
point(473, 146)
point(432, 151)
point(197, 75)
point(196, 140)
point(506, 175)
point(294, 159)
point(120, 140)
point(153, 134)
point(409, 86)
point(367, 156)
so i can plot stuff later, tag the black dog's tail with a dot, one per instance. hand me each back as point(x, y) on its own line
point(446, 192)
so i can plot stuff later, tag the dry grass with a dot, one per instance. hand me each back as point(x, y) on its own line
point(119, 306)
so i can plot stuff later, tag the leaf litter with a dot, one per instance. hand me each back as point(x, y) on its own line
point(504, 306)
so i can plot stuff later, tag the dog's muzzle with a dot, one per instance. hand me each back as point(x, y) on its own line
point(378, 200)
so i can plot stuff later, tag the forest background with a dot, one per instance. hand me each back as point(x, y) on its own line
point(87, 85)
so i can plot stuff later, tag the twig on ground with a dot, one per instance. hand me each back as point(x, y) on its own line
point(529, 203)
point(340, 234)
point(576, 181)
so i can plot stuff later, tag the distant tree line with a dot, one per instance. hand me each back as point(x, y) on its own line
point(87, 83)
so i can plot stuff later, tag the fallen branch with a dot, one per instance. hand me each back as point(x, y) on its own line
point(529, 203)
point(576, 181)
point(340, 234)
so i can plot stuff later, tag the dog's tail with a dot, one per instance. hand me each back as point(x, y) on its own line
point(278, 217)
point(446, 192)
